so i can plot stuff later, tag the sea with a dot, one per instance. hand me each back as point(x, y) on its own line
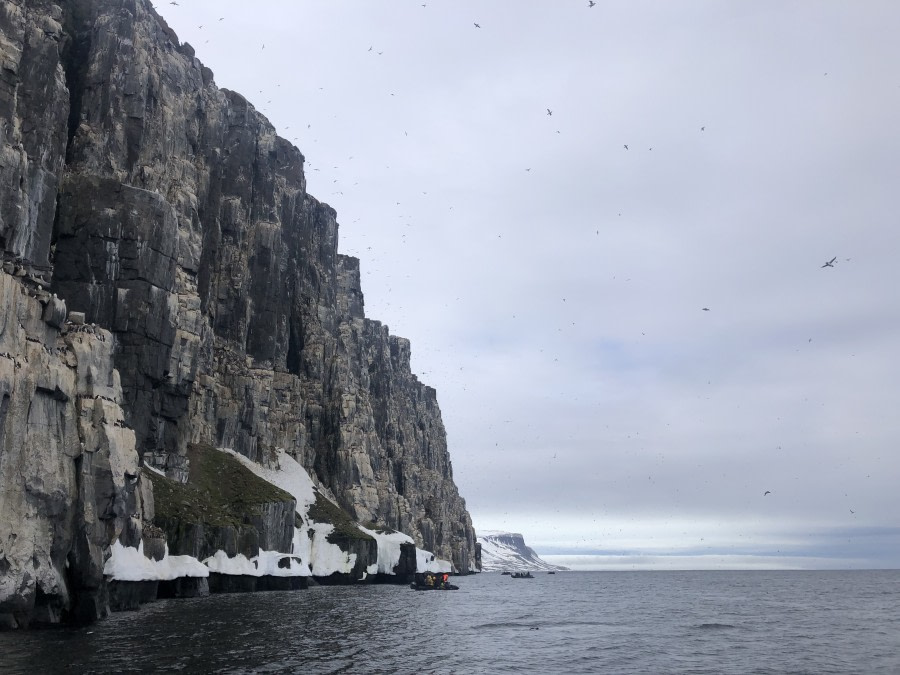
point(570, 622)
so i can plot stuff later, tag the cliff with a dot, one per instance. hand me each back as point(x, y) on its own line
point(507, 552)
point(218, 310)
point(69, 474)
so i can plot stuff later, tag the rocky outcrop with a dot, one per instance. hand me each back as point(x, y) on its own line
point(392, 436)
point(223, 507)
point(70, 483)
point(168, 212)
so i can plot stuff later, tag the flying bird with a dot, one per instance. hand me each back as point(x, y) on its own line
point(591, 3)
point(173, 2)
point(549, 112)
point(767, 492)
point(625, 146)
point(830, 263)
point(477, 26)
point(706, 309)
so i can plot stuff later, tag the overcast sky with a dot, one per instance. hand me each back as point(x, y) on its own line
point(630, 345)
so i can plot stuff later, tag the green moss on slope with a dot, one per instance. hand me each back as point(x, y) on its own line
point(325, 511)
point(220, 491)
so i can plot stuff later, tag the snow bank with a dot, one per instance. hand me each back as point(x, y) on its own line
point(317, 552)
point(388, 549)
point(130, 564)
point(290, 476)
point(324, 557)
point(427, 562)
point(264, 564)
point(496, 533)
point(327, 558)
point(389, 554)
point(158, 472)
point(268, 564)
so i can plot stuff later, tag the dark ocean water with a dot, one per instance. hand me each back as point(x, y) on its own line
point(586, 622)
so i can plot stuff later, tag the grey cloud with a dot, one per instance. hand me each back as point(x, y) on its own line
point(558, 310)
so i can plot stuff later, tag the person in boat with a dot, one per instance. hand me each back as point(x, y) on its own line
point(429, 580)
point(445, 579)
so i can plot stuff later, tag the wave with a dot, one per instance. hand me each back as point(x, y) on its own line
point(715, 626)
point(549, 622)
point(503, 624)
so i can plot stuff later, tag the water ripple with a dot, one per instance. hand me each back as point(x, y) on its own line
point(741, 622)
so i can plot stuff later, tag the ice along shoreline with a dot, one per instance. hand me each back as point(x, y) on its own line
point(325, 547)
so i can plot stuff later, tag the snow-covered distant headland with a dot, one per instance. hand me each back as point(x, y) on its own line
point(507, 552)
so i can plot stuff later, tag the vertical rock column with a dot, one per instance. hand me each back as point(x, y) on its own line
point(69, 478)
point(34, 109)
point(116, 263)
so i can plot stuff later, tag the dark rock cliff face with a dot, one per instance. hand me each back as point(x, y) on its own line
point(393, 446)
point(172, 215)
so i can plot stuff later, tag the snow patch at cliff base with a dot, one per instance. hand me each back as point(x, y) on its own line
point(267, 563)
point(427, 562)
point(130, 564)
point(310, 542)
point(388, 549)
point(324, 557)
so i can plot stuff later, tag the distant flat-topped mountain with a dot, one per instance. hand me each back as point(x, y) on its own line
point(507, 552)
